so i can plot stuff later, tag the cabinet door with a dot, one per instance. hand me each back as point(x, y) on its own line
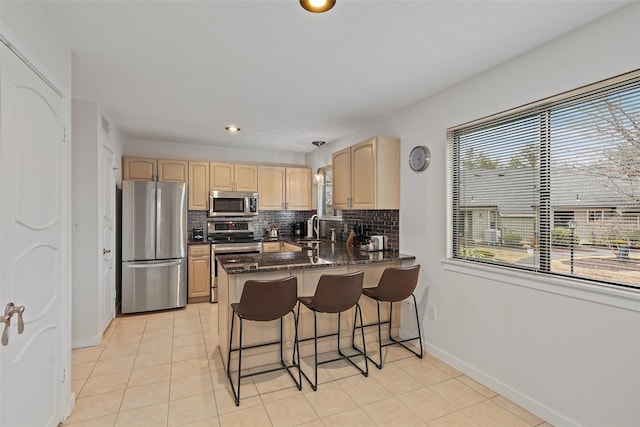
point(199, 277)
point(173, 170)
point(270, 246)
point(271, 187)
point(341, 168)
point(246, 177)
point(221, 176)
point(139, 169)
point(363, 175)
point(288, 247)
point(198, 186)
point(298, 191)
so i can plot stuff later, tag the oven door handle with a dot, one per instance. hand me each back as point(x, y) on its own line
point(236, 249)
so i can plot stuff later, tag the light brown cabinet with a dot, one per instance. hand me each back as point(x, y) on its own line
point(367, 175)
point(283, 188)
point(139, 169)
point(298, 189)
point(271, 187)
point(280, 247)
point(233, 177)
point(198, 186)
point(271, 246)
point(147, 169)
point(173, 170)
point(199, 272)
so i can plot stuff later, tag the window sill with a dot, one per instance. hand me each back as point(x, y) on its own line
point(628, 299)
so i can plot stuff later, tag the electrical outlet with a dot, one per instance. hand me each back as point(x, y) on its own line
point(432, 313)
point(345, 228)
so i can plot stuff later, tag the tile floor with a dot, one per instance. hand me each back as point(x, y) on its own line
point(164, 369)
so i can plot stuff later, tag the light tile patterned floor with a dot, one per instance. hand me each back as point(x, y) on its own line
point(164, 369)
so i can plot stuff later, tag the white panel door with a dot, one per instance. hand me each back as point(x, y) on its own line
point(108, 199)
point(34, 255)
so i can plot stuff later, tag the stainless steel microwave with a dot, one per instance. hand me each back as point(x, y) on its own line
point(232, 203)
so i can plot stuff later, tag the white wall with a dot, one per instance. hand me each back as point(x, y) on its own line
point(27, 26)
point(173, 150)
point(87, 329)
point(568, 352)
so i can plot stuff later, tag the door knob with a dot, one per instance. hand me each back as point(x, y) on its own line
point(9, 311)
point(5, 332)
point(19, 310)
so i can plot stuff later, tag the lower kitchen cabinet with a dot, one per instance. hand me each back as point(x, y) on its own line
point(199, 282)
point(280, 247)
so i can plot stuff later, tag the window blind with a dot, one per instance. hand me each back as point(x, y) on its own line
point(553, 187)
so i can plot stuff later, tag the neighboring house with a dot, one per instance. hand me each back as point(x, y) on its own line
point(498, 205)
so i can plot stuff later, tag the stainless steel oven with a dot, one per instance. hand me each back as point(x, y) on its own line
point(232, 203)
point(229, 237)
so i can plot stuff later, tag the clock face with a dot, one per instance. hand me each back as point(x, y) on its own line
point(419, 158)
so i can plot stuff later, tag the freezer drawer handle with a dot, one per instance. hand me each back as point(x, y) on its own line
point(159, 264)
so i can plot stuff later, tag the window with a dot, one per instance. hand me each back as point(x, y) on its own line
point(553, 187)
point(325, 195)
point(595, 216)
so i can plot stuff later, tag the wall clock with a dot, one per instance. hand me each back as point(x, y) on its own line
point(419, 158)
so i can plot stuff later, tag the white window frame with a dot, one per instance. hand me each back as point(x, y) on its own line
point(457, 263)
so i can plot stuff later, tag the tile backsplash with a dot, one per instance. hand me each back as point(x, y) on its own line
point(383, 222)
point(283, 220)
point(375, 222)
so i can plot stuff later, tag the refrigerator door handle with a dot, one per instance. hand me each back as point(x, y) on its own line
point(154, 264)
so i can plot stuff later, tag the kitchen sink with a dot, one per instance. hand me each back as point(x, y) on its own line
point(316, 241)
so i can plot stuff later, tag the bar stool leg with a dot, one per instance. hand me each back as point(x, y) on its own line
point(401, 342)
point(379, 366)
point(364, 344)
point(239, 364)
point(236, 393)
point(296, 347)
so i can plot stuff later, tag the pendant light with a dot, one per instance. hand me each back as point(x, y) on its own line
point(319, 178)
point(317, 6)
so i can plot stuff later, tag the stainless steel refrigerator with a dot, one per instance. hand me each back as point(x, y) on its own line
point(154, 246)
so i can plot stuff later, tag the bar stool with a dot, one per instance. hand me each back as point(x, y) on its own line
point(395, 285)
point(335, 293)
point(264, 301)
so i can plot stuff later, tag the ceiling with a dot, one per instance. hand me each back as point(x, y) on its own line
point(181, 71)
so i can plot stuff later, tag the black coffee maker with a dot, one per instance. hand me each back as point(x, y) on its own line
point(197, 234)
point(298, 230)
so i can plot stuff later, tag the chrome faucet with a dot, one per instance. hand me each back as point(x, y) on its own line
point(312, 227)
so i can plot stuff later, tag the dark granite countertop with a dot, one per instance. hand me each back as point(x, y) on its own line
point(326, 254)
point(198, 242)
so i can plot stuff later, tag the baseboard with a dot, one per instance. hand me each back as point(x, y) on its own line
point(86, 342)
point(501, 388)
point(71, 403)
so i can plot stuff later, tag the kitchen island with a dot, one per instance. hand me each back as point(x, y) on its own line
point(307, 266)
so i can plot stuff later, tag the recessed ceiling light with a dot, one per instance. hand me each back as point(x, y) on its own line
point(232, 129)
point(317, 6)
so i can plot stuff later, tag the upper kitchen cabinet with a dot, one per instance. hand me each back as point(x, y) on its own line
point(233, 177)
point(298, 189)
point(283, 188)
point(198, 186)
point(139, 169)
point(145, 169)
point(367, 175)
point(173, 170)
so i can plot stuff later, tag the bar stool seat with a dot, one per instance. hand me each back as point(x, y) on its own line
point(335, 293)
point(395, 285)
point(263, 301)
